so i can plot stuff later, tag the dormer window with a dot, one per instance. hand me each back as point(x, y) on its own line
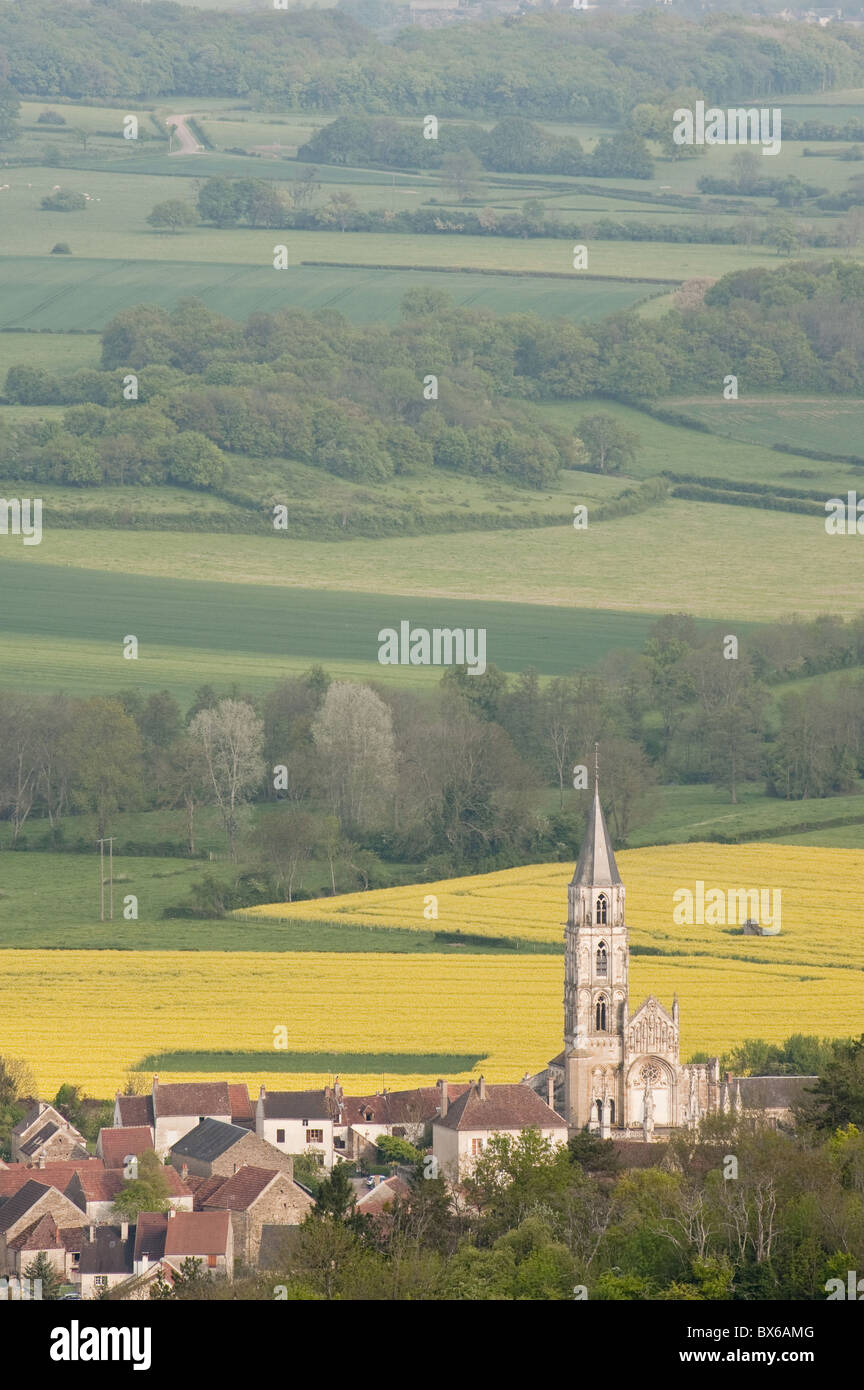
point(601, 965)
point(602, 910)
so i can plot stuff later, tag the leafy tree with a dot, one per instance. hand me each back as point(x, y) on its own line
point(103, 750)
point(395, 1150)
point(10, 105)
point(610, 447)
point(219, 202)
point(172, 215)
point(335, 1197)
point(460, 173)
point(148, 1192)
point(64, 200)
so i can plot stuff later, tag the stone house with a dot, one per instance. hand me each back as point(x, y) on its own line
point(300, 1121)
point(44, 1134)
point(255, 1197)
point(40, 1219)
point(463, 1129)
point(172, 1109)
point(214, 1149)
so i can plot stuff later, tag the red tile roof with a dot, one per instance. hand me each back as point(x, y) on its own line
point(52, 1175)
point(192, 1098)
point(376, 1200)
point(42, 1235)
point(115, 1144)
point(240, 1191)
point(504, 1107)
point(135, 1110)
point(203, 1188)
point(416, 1106)
point(197, 1233)
point(96, 1185)
point(241, 1105)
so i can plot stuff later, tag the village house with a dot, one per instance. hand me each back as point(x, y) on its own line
point(214, 1148)
point(44, 1134)
point(106, 1259)
point(173, 1237)
point(376, 1201)
point(173, 1109)
point(463, 1129)
point(40, 1220)
point(255, 1197)
point(51, 1175)
point(115, 1146)
point(300, 1121)
point(403, 1114)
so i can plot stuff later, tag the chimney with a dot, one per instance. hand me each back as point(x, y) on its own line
point(41, 1161)
point(171, 1213)
point(481, 1088)
point(184, 1171)
point(91, 1233)
point(445, 1099)
point(155, 1080)
point(550, 1091)
point(261, 1091)
point(124, 1231)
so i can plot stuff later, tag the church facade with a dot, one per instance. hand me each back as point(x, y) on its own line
point(620, 1068)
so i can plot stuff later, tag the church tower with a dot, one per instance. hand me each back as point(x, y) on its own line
point(595, 983)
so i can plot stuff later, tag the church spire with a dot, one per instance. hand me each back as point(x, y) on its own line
point(596, 867)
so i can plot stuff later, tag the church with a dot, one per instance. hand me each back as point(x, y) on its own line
point(619, 1074)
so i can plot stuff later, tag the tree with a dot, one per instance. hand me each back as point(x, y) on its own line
point(392, 1149)
point(353, 733)
point(10, 105)
point(609, 446)
point(460, 172)
point(148, 1192)
point(103, 749)
point(219, 202)
point(231, 739)
point(336, 1198)
point(284, 840)
point(340, 208)
point(304, 187)
point(43, 1270)
point(837, 1097)
point(16, 1080)
point(172, 215)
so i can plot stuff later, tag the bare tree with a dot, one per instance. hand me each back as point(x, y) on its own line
point(353, 734)
point(231, 739)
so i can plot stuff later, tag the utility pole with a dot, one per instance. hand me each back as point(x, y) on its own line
point(109, 840)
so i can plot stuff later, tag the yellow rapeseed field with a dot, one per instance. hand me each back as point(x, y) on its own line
point(88, 1016)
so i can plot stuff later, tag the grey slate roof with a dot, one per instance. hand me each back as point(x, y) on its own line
point(23, 1200)
point(596, 861)
point(208, 1140)
point(773, 1092)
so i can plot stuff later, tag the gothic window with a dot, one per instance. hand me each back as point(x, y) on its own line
point(602, 909)
point(612, 1112)
point(599, 1105)
point(600, 1015)
point(601, 958)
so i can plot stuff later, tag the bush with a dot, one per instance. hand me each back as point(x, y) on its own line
point(61, 248)
point(64, 200)
point(50, 118)
point(395, 1150)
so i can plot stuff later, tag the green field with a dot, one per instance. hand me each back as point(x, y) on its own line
point(832, 423)
point(85, 294)
point(54, 609)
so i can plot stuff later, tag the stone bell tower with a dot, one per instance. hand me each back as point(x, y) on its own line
point(595, 983)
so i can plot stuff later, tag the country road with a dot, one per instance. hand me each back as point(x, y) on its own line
point(188, 143)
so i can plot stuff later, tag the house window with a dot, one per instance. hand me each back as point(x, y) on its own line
point(600, 1015)
point(602, 959)
point(76, 1258)
point(314, 1136)
point(100, 1281)
point(280, 1136)
point(211, 1261)
point(476, 1146)
point(398, 1131)
point(602, 908)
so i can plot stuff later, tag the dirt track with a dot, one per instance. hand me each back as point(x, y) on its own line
point(188, 143)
